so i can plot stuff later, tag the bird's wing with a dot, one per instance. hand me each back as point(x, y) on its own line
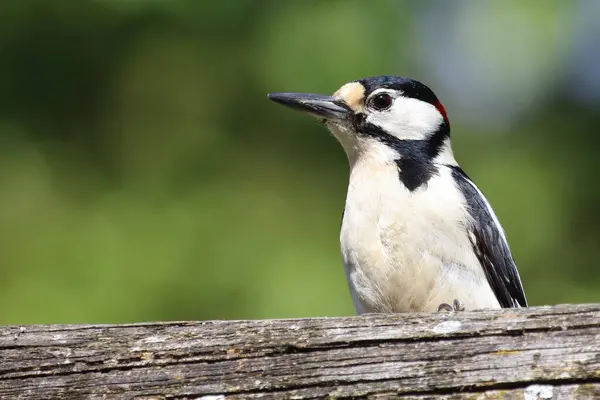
point(490, 245)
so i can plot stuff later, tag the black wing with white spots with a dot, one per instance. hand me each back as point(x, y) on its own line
point(490, 245)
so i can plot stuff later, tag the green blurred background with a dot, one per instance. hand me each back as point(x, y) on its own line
point(145, 176)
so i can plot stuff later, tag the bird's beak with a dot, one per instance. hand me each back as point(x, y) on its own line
point(323, 107)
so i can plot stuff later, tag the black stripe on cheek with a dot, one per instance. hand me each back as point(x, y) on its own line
point(415, 157)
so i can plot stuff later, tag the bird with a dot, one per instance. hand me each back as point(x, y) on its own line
point(417, 234)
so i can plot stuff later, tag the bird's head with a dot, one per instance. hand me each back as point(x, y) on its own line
point(377, 115)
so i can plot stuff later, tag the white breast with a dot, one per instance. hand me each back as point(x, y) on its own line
point(408, 251)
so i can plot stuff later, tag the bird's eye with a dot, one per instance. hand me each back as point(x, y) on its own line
point(382, 101)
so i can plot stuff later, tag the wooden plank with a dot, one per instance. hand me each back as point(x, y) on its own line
point(526, 353)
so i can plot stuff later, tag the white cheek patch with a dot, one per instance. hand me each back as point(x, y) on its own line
point(408, 118)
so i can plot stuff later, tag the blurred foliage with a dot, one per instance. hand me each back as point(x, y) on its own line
point(145, 176)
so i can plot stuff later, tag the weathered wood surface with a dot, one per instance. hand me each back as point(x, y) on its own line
point(535, 353)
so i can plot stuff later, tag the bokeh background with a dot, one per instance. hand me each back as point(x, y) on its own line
point(145, 176)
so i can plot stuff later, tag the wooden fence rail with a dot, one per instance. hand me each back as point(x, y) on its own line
point(534, 353)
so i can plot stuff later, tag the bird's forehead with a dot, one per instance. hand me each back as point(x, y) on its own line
point(353, 94)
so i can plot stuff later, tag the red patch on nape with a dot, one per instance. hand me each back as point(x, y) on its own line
point(442, 111)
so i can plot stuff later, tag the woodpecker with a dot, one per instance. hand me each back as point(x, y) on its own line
point(417, 234)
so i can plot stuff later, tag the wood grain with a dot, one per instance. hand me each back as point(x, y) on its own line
point(533, 353)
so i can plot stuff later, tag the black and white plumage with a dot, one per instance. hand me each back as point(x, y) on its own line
point(416, 231)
